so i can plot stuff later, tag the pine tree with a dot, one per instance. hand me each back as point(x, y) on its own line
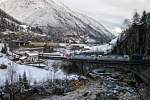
point(6, 83)
point(20, 79)
point(4, 49)
point(136, 18)
point(143, 18)
point(25, 80)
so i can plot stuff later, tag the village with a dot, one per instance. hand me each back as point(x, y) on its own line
point(27, 52)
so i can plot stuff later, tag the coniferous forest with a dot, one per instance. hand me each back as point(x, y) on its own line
point(135, 37)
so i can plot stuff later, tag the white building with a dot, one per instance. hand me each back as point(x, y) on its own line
point(30, 57)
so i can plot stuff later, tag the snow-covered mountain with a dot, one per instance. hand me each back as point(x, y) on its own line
point(57, 20)
point(9, 23)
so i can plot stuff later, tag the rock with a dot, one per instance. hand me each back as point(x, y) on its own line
point(58, 91)
point(93, 97)
point(86, 94)
point(3, 66)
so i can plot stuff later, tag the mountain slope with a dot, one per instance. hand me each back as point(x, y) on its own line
point(7, 22)
point(57, 20)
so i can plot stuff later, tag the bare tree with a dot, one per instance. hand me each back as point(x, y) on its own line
point(11, 80)
point(12, 75)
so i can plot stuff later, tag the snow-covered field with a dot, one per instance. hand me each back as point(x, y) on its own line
point(33, 73)
point(91, 47)
point(102, 48)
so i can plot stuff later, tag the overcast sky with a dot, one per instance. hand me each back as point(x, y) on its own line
point(111, 13)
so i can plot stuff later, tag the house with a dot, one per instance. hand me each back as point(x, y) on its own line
point(14, 55)
point(76, 47)
point(15, 44)
point(30, 57)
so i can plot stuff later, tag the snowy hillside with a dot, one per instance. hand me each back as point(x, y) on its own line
point(57, 20)
point(7, 22)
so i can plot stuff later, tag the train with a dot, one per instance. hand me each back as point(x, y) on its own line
point(101, 57)
point(138, 58)
point(134, 58)
point(113, 57)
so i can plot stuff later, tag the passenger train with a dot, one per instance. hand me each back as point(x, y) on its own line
point(124, 57)
point(113, 57)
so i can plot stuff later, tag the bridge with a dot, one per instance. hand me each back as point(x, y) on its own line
point(86, 59)
point(140, 68)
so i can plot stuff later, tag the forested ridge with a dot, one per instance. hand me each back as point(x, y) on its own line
point(8, 23)
point(135, 38)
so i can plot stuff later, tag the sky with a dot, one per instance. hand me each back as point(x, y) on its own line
point(110, 13)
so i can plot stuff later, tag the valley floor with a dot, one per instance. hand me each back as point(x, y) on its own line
point(103, 88)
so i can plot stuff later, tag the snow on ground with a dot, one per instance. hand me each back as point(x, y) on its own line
point(33, 73)
point(106, 48)
point(102, 48)
point(114, 41)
